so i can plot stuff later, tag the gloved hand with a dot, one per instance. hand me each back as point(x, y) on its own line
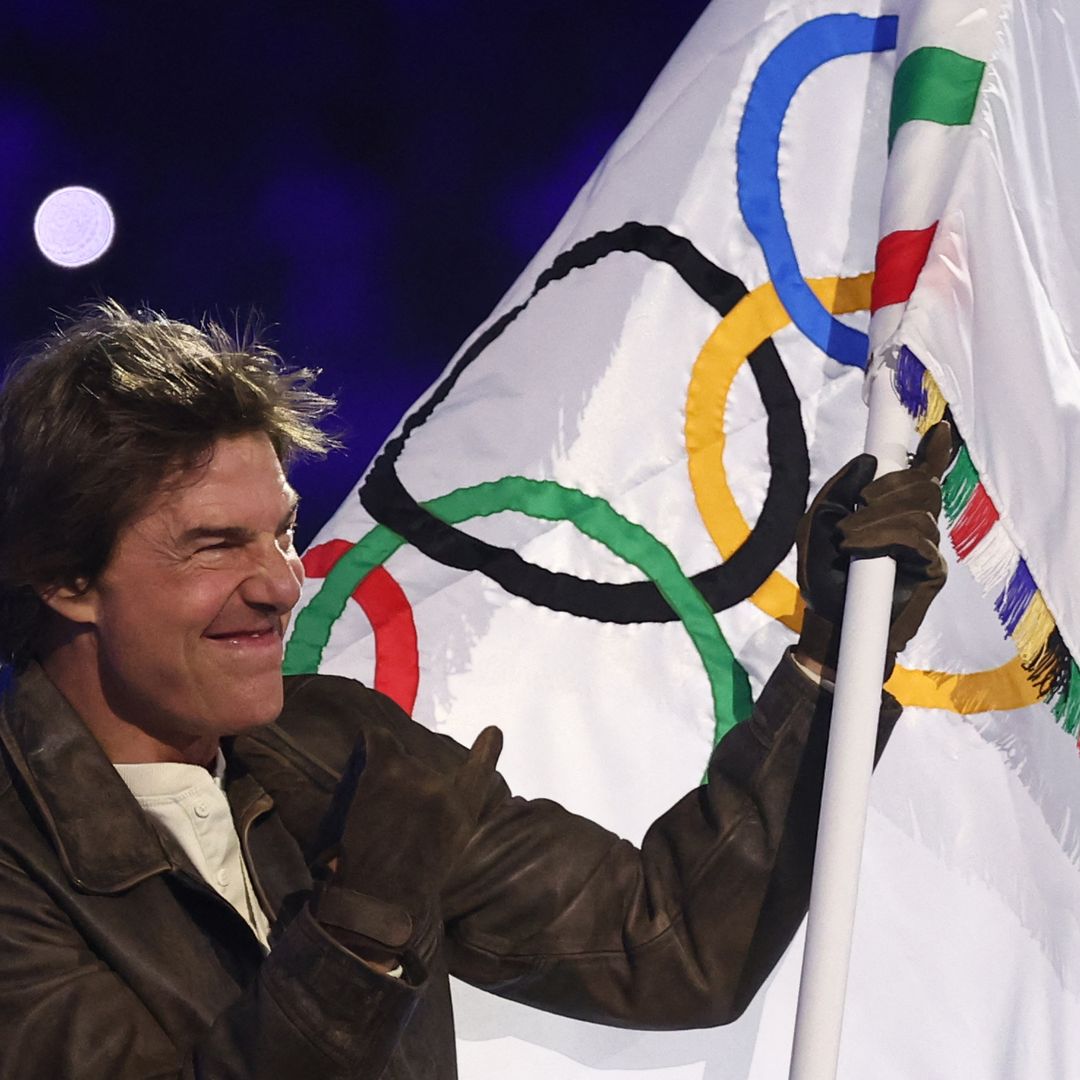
point(855, 516)
point(395, 827)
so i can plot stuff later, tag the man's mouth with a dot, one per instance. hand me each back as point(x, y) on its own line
point(254, 636)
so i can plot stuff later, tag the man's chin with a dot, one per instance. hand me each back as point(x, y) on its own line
point(252, 722)
point(253, 710)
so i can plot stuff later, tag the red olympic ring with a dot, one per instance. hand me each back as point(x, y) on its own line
point(383, 601)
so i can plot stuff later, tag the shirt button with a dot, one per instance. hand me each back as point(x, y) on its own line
point(223, 878)
point(201, 809)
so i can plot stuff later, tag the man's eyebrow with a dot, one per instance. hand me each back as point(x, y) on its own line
point(235, 534)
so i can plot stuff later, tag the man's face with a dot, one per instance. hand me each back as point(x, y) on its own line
point(189, 613)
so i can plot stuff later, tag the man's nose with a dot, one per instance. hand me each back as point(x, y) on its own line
point(275, 579)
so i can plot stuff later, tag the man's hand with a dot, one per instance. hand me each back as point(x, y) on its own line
point(395, 827)
point(855, 516)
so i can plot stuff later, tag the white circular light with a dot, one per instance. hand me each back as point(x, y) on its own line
point(74, 226)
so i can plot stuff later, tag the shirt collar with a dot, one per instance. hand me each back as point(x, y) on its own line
point(171, 778)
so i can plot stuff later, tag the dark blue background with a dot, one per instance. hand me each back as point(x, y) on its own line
point(371, 177)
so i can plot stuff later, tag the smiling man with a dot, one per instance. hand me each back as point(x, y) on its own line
point(178, 640)
point(207, 870)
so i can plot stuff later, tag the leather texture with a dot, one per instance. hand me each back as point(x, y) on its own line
point(115, 960)
point(854, 516)
point(382, 898)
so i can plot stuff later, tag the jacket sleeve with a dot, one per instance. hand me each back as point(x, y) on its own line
point(550, 909)
point(553, 911)
point(313, 1010)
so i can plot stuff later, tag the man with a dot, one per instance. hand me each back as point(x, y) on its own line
point(205, 872)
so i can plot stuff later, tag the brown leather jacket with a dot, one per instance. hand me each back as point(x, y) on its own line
point(116, 961)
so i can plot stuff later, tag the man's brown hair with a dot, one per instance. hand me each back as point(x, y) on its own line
point(95, 418)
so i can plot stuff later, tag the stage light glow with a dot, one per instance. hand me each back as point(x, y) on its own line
point(74, 226)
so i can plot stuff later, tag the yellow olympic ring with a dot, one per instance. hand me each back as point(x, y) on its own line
point(756, 317)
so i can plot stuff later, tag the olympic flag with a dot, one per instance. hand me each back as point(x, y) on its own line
point(583, 532)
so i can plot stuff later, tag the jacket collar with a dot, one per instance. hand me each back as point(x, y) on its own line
point(104, 841)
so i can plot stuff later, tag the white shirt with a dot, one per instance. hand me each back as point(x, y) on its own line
point(190, 804)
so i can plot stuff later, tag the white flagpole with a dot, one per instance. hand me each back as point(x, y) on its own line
point(849, 763)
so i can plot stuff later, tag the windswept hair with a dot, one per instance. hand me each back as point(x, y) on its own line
point(98, 414)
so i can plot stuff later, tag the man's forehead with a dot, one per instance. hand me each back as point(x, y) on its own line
point(227, 504)
point(242, 478)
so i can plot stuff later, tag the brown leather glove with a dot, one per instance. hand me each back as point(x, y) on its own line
point(395, 827)
point(855, 516)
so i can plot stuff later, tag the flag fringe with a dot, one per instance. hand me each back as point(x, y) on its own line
point(983, 545)
point(918, 391)
point(991, 562)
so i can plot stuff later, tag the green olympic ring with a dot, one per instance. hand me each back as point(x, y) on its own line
point(545, 500)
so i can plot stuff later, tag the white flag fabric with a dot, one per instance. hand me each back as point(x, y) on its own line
point(983, 289)
point(583, 532)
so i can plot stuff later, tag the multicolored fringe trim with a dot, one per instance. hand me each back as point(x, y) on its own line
point(983, 545)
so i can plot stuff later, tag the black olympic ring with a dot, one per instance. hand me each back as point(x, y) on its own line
point(386, 499)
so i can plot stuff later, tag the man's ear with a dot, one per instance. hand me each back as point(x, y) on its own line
point(77, 602)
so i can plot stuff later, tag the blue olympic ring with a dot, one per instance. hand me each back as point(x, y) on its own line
point(757, 171)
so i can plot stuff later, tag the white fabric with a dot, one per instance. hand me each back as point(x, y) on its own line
point(966, 958)
point(189, 803)
point(996, 314)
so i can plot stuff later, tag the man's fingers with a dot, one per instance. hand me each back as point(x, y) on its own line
point(931, 562)
point(487, 747)
point(483, 757)
point(934, 451)
point(899, 535)
point(837, 497)
point(392, 764)
point(474, 777)
point(844, 488)
point(899, 492)
point(395, 762)
point(920, 558)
